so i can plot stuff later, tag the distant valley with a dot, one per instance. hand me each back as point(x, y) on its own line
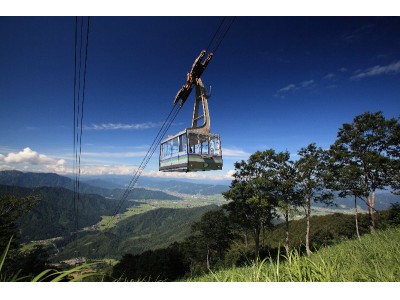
point(152, 217)
point(156, 213)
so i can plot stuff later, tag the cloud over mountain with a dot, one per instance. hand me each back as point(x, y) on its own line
point(28, 157)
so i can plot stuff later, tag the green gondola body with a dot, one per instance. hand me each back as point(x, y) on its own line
point(189, 151)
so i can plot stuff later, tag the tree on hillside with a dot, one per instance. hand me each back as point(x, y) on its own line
point(214, 233)
point(285, 192)
point(27, 264)
point(11, 209)
point(252, 206)
point(311, 182)
point(166, 264)
point(346, 178)
point(370, 145)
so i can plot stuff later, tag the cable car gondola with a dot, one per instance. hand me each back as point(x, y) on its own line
point(195, 148)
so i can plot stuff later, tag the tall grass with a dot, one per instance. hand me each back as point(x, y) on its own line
point(373, 258)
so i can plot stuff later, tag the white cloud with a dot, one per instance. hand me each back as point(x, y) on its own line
point(26, 156)
point(230, 173)
point(119, 126)
point(107, 169)
point(295, 87)
point(235, 152)
point(307, 83)
point(287, 88)
point(114, 154)
point(27, 159)
point(329, 76)
point(392, 68)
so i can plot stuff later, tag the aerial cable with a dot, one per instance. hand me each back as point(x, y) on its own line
point(143, 165)
point(223, 36)
point(77, 132)
point(74, 165)
point(83, 103)
point(215, 33)
point(79, 102)
point(164, 128)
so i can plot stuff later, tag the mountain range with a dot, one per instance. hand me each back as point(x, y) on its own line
point(31, 180)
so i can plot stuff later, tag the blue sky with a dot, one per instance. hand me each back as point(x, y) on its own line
point(277, 82)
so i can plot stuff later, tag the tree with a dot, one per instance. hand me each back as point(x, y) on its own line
point(166, 264)
point(311, 181)
point(346, 178)
point(370, 146)
point(11, 209)
point(285, 187)
point(252, 206)
point(394, 214)
point(214, 232)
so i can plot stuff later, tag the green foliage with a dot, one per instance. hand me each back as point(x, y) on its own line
point(153, 265)
point(311, 182)
point(373, 258)
point(154, 229)
point(390, 217)
point(311, 175)
point(394, 214)
point(54, 215)
point(43, 274)
point(366, 157)
point(253, 206)
point(214, 234)
point(4, 255)
point(325, 230)
point(11, 209)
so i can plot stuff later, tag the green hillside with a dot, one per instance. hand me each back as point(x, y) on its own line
point(154, 229)
point(373, 258)
point(54, 215)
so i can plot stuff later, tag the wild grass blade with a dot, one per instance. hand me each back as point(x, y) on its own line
point(65, 274)
point(44, 275)
point(4, 255)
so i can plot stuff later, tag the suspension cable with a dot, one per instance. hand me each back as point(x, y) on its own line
point(74, 161)
point(83, 104)
point(223, 34)
point(164, 128)
point(215, 33)
point(79, 101)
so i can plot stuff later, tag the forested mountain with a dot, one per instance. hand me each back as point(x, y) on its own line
point(29, 179)
point(151, 230)
point(54, 214)
point(383, 201)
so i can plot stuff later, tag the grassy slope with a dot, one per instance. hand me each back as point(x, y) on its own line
point(153, 229)
point(373, 258)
